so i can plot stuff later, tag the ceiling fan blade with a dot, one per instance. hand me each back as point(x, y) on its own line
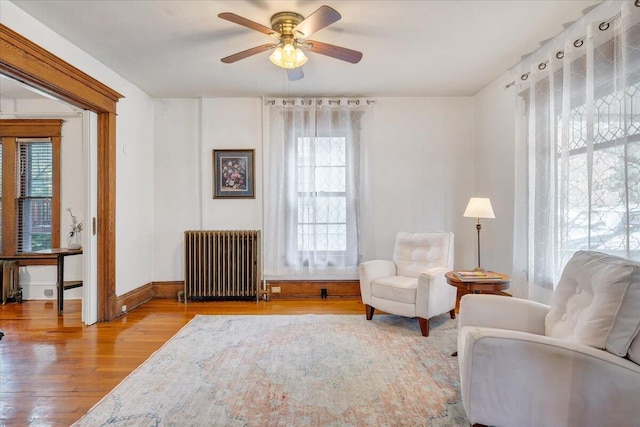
point(247, 53)
point(237, 19)
point(295, 74)
point(342, 53)
point(319, 19)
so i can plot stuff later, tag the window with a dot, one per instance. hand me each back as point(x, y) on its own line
point(312, 187)
point(582, 116)
point(29, 194)
point(322, 195)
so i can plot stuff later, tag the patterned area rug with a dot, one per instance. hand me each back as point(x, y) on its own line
point(311, 370)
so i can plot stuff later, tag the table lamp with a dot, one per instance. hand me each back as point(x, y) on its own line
point(477, 208)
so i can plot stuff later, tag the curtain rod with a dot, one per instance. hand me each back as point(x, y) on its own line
point(319, 101)
point(603, 26)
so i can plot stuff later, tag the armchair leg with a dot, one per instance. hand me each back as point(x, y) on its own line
point(369, 311)
point(452, 313)
point(424, 326)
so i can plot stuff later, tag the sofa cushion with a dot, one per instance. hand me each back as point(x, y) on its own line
point(597, 302)
point(395, 288)
point(416, 252)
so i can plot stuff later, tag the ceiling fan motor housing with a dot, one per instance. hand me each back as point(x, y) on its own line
point(285, 22)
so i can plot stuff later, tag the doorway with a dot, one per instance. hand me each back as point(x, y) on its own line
point(47, 221)
point(29, 63)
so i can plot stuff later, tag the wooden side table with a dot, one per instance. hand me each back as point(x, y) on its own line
point(48, 254)
point(478, 286)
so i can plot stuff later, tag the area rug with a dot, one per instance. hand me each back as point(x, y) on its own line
point(309, 370)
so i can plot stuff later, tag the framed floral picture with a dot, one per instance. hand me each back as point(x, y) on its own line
point(233, 174)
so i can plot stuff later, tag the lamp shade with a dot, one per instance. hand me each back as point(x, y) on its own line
point(479, 207)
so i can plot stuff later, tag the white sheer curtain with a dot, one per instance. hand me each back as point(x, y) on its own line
point(580, 98)
point(313, 185)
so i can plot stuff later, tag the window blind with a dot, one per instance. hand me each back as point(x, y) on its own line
point(34, 192)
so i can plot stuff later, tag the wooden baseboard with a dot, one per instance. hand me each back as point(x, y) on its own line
point(304, 289)
point(289, 289)
point(134, 298)
point(167, 290)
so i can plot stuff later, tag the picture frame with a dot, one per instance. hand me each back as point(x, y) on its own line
point(233, 174)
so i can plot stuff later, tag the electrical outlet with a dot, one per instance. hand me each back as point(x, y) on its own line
point(124, 308)
point(48, 293)
point(275, 289)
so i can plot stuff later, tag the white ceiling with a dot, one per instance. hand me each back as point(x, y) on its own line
point(172, 49)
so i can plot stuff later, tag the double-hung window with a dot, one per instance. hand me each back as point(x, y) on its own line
point(30, 190)
point(312, 187)
point(321, 190)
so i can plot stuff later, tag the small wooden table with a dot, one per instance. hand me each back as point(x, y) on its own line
point(58, 254)
point(481, 285)
point(478, 286)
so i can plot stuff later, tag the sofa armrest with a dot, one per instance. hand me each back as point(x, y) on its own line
point(495, 311)
point(371, 270)
point(515, 378)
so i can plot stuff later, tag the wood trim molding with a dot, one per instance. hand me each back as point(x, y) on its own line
point(167, 290)
point(134, 298)
point(302, 289)
point(31, 64)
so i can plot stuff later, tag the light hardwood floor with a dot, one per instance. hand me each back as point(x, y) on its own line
point(53, 369)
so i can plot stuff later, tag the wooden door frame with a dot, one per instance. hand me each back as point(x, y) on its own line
point(29, 63)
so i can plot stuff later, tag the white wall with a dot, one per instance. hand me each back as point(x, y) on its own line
point(186, 132)
point(177, 183)
point(429, 155)
point(417, 175)
point(134, 164)
point(231, 123)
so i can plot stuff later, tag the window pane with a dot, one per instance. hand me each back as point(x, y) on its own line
point(330, 179)
point(321, 216)
point(35, 224)
point(35, 189)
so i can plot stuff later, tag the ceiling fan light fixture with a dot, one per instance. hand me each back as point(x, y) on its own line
point(288, 56)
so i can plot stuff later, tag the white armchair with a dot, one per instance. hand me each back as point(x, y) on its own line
point(413, 284)
point(574, 363)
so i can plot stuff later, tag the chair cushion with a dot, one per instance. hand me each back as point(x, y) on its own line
point(634, 350)
point(597, 302)
point(395, 288)
point(416, 252)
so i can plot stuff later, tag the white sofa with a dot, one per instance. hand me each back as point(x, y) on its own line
point(573, 363)
point(413, 284)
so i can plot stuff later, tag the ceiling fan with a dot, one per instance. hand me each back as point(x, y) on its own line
point(292, 30)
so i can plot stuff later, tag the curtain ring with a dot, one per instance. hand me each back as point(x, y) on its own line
point(637, 3)
point(369, 102)
point(319, 101)
point(560, 54)
point(525, 76)
point(578, 42)
point(542, 66)
point(604, 26)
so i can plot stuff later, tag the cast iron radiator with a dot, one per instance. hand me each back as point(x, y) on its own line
point(222, 265)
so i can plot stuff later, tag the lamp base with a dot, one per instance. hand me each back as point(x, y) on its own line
point(480, 270)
